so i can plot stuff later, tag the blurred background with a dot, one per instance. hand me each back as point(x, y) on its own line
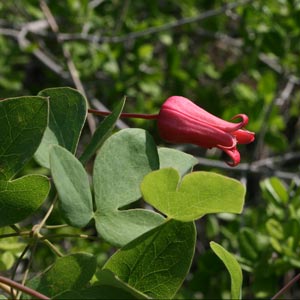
point(229, 57)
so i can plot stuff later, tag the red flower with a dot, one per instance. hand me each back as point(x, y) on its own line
point(182, 121)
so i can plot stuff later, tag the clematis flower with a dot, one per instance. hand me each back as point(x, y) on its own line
point(182, 121)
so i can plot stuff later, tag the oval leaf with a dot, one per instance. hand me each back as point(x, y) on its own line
point(21, 197)
point(73, 187)
point(198, 193)
point(71, 272)
point(22, 121)
point(68, 110)
point(157, 262)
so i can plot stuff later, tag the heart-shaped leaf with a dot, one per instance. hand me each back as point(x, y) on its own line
point(71, 272)
point(21, 197)
point(22, 121)
point(68, 110)
point(233, 268)
point(122, 162)
point(157, 262)
point(72, 184)
point(198, 193)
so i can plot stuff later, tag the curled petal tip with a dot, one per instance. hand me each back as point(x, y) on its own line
point(235, 156)
point(244, 118)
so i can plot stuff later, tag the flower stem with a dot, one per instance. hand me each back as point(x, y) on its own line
point(125, 115)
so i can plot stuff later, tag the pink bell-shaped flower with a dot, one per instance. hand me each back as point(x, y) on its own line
point(182, 121)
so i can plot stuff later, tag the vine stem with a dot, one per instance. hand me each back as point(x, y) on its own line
point(286, 287)
point(60, 235)
point(14, 271)
point(125, 115)
point(38, 227)
point(23, 288)
point(53, 248)
point(14, 234)
point(33, 248)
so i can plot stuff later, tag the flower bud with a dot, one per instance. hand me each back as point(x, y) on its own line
point(182, 121)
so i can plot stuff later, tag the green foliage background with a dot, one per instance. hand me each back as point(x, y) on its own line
point(229, 61)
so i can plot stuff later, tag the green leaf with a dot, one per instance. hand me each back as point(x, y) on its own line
point(71, 272)
point(102, 133)
point(275, 229)
point(96, 292)
point(178, 160)
point(198, 193)
point(292, 232)
point(22, 121)
point(157, 262)
point(122, 162)
point(233, 268)
point(72, 184)
point(248, 243)
point(21, 197)
point(275, 191)
point(109, 280)
point(120, 227)
point(68, 110)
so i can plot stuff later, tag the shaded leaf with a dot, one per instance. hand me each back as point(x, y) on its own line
point(275, 191)
point(67, 114)
point(22, 121)
point(73, 271)
point(157, 262)
point(248, 243)
point(73, 187)
point(21, 197)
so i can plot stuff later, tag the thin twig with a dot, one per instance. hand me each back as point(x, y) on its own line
point(157, 29)
point(55, 226)
point(266, 167)
point(275, 66)
point(37, 228)
point(33, 248)
point(53, 248)
point(284, 94)
point(23, 288)
point(20, 37)
point(14, 271)
point(70, 64)
point(61, 235)
point(14, 234)
point(286, 287)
